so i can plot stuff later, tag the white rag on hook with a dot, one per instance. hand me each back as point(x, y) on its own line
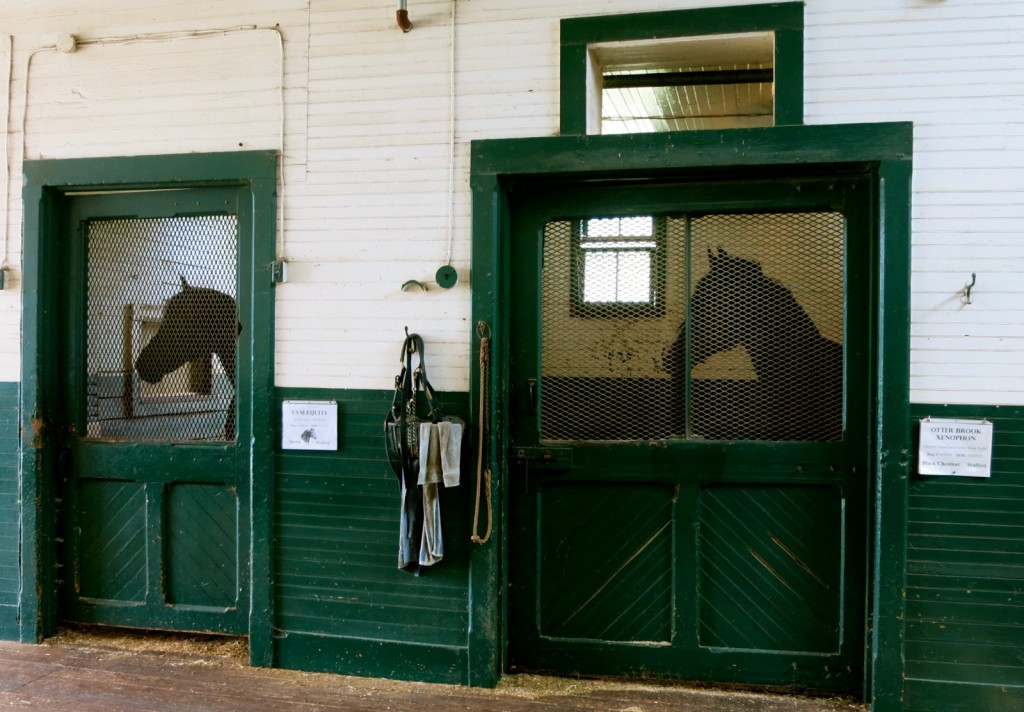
point(440, 456)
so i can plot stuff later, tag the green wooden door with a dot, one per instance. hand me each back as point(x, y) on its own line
point(154, 506)
point(689, 502)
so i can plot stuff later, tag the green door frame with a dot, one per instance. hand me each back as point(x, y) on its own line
point(882, 152)
point(46, 182)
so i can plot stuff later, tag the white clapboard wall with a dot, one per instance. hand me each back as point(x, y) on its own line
point(956, 69)
point(365, 129)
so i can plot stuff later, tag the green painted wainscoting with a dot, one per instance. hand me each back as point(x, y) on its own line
point(341, 604)
point(8, 511)
point(965, 576)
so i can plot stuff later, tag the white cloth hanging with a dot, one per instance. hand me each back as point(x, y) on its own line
point(430, 454)
point(450, 435)
point(440, 457)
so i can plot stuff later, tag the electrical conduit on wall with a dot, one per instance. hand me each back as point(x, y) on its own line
point(68, 43)
point(7, 160)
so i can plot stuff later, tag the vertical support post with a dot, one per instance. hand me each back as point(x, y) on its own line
point(127, 367)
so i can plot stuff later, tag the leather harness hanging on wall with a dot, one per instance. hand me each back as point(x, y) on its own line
point(423, 451)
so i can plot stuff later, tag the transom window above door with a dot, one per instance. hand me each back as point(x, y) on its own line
point(716, 82)
point(709, 68)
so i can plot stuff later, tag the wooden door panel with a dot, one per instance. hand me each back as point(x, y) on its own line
point(201, 537)
point(771, 568)
point(111, 562)
point(607, 573)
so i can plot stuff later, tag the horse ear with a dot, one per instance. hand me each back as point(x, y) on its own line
point(712, 258)
point(184, 284)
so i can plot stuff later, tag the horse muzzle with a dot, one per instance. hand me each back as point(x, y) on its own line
point(148, 371)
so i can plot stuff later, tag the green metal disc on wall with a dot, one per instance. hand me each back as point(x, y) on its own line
point(446, 277)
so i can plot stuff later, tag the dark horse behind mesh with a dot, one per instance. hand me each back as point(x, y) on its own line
point(799, 389)
point(197, 322)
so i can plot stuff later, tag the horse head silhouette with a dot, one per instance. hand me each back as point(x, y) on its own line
point(197, 322)
point(800, 371)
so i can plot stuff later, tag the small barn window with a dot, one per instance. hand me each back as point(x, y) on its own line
point(711, 68)
point(619, 266)
point(617, 259)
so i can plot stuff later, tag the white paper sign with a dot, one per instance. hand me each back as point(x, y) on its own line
point(955, 447)
point(309, 425)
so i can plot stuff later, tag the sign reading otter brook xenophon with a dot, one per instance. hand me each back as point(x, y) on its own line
point(309, 425)
point(955, 447)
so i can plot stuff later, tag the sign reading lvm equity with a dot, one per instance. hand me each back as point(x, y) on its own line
point(309, 425)
point(955, 447)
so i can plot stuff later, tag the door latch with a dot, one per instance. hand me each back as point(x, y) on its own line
point(542, 458)
point(531, 395)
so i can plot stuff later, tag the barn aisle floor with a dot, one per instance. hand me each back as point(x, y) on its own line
point(111, 670)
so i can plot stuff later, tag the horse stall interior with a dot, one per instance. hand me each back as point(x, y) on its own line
point(757, 362)
point(161, 352)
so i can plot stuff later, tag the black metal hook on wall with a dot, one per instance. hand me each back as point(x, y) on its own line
point(966, 298)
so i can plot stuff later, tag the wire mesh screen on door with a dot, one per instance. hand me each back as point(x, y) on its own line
point(161, 328)
point(742, 343)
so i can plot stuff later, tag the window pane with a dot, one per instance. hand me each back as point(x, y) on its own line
point(634, 277)
point(642, 226)
point(599, 277)
point(604, 228)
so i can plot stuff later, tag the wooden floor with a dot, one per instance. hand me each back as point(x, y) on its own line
point(84, 671)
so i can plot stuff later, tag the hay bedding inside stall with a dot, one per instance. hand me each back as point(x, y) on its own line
point(191, 648)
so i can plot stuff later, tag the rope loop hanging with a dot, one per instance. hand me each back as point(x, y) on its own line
point(483, 475)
